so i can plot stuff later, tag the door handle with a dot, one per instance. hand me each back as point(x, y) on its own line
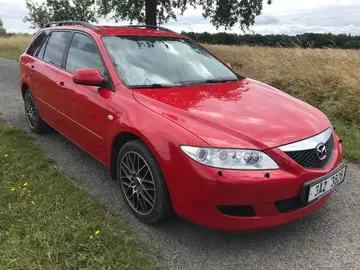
point(62, 85)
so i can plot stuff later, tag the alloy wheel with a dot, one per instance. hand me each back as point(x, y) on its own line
point(137, 183)
point(31, 114)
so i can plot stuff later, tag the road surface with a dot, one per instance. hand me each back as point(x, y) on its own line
point(327, 239)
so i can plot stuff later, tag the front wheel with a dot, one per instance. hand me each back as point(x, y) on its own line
point(142, 183)
point(35, 122)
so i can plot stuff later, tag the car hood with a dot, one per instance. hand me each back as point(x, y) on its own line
point(242, 114)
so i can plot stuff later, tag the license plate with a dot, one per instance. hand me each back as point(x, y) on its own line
point(319, 188)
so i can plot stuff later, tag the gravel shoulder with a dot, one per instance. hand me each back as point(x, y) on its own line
point(327, 239)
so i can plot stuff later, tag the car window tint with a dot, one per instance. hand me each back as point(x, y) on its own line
point(56, 46)
point(40, 52)
point(35, 45)
point(83, 54)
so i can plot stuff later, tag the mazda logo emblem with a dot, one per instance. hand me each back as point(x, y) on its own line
point(321, 151)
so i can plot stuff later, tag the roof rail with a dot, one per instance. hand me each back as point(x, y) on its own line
point(62, 23)
point(151, 27)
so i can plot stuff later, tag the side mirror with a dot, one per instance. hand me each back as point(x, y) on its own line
point(89, 76)
point(229, 65)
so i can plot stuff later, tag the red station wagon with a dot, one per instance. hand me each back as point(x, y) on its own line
point(178, 128)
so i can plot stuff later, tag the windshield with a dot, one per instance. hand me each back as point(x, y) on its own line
point(164, 62)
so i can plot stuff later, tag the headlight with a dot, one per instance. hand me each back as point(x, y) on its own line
point(238, 159)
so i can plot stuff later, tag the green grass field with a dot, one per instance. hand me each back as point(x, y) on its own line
point(14, 46)
point(47, 222)
point(11, 54)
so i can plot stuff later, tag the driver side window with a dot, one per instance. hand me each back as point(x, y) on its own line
point(83, 54)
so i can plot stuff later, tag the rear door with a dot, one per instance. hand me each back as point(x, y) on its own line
point(85, 107)
point(30, 63)
point(49, 73)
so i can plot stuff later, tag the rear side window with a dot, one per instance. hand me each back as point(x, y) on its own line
point(40, 52)
point(56, 47)
point(83, 53)
point(35, 45)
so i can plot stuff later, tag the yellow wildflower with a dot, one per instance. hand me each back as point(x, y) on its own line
point(12, 189)
point(25, 184)
point(6, 155)
point(97, 232)
point(91, 237)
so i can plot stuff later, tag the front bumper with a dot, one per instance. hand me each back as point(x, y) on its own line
point(264, 198)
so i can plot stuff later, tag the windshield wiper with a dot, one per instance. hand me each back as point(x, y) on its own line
point(212, 81)
point(154, 86)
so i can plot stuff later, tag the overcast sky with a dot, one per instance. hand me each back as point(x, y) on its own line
point(282, 17)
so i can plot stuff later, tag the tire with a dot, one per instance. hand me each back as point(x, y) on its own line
point(33, 118)
point(138, 173)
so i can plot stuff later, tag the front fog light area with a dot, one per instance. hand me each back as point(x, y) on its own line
point(240, 159)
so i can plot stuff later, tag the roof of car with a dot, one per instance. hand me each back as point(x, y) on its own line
point(128, 30)
point(139, 30)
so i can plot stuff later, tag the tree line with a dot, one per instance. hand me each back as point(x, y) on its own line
point(306, 40)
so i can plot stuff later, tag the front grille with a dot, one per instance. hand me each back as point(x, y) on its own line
point(237, 211)
point(309, 158)
point(289, 205)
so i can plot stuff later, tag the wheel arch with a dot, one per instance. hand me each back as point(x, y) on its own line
point(122, 138)
point(24, 87)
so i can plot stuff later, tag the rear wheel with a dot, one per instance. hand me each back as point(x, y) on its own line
point(142, 183)
point(35, 122)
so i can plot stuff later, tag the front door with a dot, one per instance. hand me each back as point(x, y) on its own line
point(85, 107)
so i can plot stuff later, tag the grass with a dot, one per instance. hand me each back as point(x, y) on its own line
point(14, 46)
point(47, 222)
point(350, 133)
point(326, 78)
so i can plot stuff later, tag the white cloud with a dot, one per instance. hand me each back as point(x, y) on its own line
point(293, 29)
point(267, 19)
point(12, 31)
point(290, 17)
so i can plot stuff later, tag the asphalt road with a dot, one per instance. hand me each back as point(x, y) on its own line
point(327, 239)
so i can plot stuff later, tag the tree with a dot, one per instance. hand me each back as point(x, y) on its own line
point(2, 29)
point(60, 10)
point(220, 12)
